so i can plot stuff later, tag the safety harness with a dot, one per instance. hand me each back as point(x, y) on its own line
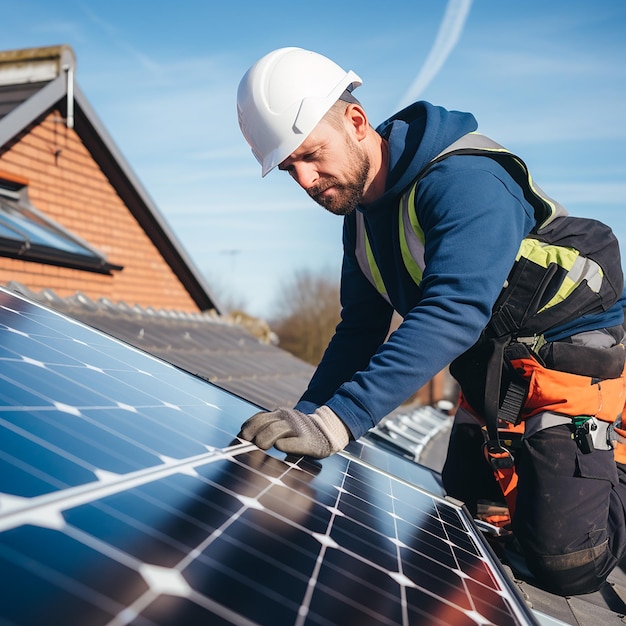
point(567, 267)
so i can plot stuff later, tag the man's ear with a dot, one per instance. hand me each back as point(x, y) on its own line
point(357, 120)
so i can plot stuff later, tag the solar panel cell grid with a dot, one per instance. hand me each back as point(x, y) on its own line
point(126, 499)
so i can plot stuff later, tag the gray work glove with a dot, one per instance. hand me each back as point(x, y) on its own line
point(317, 435)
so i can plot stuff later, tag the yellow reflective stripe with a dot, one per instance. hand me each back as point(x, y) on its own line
point(415, 225)
point(545, 254)
point(578, 268)
point(378, 279)
point(415, 271)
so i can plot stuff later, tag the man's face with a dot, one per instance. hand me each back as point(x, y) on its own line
point(331, 167)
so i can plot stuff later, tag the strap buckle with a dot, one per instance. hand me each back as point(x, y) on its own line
point(498, 456)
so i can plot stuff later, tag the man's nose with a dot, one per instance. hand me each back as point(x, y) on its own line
point(305, 175)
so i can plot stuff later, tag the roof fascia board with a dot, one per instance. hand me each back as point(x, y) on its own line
point(35, 64)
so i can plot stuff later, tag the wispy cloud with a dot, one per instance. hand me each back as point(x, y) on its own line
point(447, 37)
point(116, 36)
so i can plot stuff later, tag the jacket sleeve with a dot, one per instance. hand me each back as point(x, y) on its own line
point(473, 225)
point(365, 321)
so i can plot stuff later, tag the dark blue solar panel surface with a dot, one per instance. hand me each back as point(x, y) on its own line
point(125, 498)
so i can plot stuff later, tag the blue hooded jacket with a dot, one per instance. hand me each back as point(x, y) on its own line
point(473, 216)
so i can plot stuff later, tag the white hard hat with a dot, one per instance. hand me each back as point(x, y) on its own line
point(282, 98)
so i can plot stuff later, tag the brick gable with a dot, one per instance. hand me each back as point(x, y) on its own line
point(67, 185)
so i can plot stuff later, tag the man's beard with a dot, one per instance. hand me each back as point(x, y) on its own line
point(346, 195)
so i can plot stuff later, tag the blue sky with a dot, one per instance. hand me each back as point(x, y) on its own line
point(545, 78)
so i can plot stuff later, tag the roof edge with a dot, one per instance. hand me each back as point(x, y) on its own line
point(16, 121)
point(130, 185)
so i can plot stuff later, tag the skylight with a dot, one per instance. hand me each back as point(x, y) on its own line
point(27, 234)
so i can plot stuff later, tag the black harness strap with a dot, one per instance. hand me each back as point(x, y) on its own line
point(498, 456)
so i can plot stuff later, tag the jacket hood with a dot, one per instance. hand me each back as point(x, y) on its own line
point(416, 135)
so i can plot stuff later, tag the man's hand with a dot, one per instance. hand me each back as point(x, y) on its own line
point(317, 435)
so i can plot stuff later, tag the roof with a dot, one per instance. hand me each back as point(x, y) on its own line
point(34, 82)
point(237, 357)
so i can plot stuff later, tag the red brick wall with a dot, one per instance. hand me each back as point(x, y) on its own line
point(67, 185)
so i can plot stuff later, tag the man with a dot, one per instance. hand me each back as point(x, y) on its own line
point(436, 221)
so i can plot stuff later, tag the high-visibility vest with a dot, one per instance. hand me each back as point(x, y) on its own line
point(565, 268)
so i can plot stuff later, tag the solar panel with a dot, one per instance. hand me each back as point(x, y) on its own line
point(125, 498)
